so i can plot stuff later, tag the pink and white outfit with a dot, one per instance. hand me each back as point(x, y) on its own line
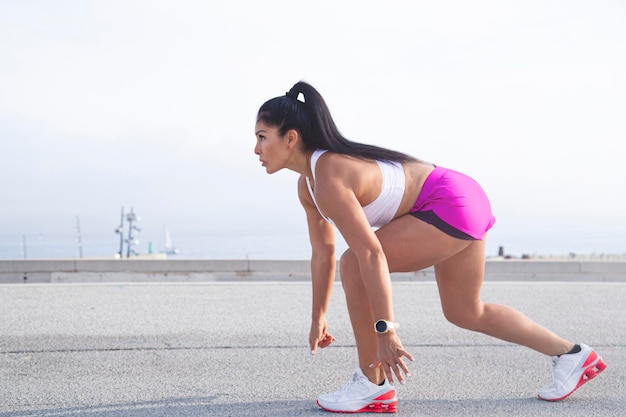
point(449, 200)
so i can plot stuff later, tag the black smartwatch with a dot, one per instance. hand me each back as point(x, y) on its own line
point(383, 326)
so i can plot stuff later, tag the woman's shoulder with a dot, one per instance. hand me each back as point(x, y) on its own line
point(341, 158)
point(345, 169)
point(338, 162)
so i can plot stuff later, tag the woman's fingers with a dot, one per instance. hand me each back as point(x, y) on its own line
point(395, 368)
point(320, 342)
point(403, 365)
point(326, 340)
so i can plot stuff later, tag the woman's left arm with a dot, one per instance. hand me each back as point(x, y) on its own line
point(339, 202)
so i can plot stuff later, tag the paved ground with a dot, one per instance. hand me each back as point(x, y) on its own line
point(236, 349)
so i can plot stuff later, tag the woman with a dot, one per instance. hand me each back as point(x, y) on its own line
point(423, 215)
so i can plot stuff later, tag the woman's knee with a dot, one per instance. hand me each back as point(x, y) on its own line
point(470, 318)
point(348, 266)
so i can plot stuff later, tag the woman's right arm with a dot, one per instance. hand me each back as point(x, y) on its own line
point(323, 265)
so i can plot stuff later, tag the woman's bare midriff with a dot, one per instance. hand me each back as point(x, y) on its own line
point(415, 174)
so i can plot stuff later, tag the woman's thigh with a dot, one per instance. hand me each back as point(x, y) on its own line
point(411, 244)
point(460, 279)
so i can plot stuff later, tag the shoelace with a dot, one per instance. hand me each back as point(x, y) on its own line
point(356, 378)
point(558, 363)
point(555, 362)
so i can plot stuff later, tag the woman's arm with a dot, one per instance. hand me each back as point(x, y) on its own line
point(323, 264)
point(335, 193)
point(338, 177)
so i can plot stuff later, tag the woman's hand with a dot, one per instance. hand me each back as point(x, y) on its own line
point(390, 353)
point(319, 336)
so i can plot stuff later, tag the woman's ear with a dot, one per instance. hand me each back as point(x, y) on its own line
point(292, 137)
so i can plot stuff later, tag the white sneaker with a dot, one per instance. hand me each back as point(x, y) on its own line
point(570, 372)
point(360, 395)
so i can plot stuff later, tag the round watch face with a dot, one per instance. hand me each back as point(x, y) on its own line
point(381, 326)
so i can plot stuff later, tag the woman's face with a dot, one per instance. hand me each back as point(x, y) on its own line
point(270, 147)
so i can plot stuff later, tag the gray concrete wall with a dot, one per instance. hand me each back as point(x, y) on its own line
point(179, 270)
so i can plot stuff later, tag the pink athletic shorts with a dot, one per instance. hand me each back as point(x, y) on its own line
point(454, 202)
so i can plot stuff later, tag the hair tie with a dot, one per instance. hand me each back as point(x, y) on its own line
point(293, 93)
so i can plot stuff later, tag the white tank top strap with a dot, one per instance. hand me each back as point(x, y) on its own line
point(316, 155)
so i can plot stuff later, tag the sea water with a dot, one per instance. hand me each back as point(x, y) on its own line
point(288, 247)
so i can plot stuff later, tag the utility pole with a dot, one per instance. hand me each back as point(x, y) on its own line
point(131, 240)
point(132, 219)
point(120, 231)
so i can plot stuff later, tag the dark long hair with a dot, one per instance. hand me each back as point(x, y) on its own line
point(312, 120)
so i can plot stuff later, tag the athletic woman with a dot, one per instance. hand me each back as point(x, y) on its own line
point(396, 214)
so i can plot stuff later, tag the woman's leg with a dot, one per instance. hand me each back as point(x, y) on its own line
point(361, 316)
point(409, 245)
point(460, 279)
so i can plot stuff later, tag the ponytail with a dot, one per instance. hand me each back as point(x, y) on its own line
point(313, 121)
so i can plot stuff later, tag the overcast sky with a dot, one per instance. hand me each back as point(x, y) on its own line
point(152, 104)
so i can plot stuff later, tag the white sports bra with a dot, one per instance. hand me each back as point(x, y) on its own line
point(380, 211)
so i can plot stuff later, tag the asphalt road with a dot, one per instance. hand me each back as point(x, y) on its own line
point(240, 349)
